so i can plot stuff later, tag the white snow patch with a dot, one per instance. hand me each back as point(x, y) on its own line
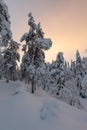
point(25, 111)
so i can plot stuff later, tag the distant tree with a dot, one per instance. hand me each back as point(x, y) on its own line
point(79, 72)
point(67, 72)
point(33, 50)
point(43, 77)
point(61, 79)
point(57, 73)
point(73, 69)
point(84, 61)
point(84, 87)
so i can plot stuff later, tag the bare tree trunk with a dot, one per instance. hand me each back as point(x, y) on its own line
point(7, 76)
point(33, 85)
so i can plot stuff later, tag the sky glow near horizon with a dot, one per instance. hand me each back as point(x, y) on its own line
point(64, 21)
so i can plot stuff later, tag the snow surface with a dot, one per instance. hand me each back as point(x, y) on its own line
point(21, 110)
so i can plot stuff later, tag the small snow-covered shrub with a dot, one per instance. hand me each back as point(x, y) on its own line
point(71, 85)
point(67, 96)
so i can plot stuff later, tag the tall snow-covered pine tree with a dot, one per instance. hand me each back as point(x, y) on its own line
point(79, 72)
point(33, 50)
point(5, 32)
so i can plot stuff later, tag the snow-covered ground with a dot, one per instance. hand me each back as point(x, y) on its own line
point(20, 110)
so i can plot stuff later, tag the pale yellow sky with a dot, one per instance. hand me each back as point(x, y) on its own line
point(64, 21)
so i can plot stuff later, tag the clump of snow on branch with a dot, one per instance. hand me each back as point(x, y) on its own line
point(44, 43)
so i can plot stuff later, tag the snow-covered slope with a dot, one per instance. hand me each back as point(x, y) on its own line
point(20, 110)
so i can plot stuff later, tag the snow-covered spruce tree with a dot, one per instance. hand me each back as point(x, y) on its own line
point(84, 62)
point(43, 77)
point(79, 72)
point(57, 73)
point(84, 87)
point(67, 71)
point(73, 69)
point(33, 51)
point(61, 79)
point(10, 58)
point(5, 32)
point(53, 74)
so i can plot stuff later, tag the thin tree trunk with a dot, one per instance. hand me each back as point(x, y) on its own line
point(32, 85)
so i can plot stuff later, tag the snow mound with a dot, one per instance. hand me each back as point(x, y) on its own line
point(49, 109)
point(8, 89)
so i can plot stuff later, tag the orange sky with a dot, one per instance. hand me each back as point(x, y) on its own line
point(64, 21)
